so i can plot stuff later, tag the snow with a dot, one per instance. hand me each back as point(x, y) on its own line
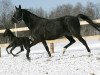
point(75, 61)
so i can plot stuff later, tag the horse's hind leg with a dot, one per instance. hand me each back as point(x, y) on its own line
point(70, 38)
point(83, 42)
point(79, 37)
point(75, 31)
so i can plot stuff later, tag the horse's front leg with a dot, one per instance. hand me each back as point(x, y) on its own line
point(27, 47)
point(46, 47)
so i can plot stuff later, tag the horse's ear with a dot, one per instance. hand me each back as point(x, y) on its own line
point(6, 28)
point(19, 6)
point(16, 7)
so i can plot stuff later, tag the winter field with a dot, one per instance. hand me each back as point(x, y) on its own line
point(75, 61)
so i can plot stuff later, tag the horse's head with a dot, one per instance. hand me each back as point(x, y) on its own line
point(7, 33)
point(18, 15)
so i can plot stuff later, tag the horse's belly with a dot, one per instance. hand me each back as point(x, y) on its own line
point(52, 37)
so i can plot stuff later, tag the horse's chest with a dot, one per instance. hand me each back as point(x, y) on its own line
point(38, 30)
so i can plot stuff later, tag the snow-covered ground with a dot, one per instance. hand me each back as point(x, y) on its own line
point(75, 61)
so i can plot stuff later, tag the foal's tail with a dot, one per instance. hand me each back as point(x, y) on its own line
point(86, 18)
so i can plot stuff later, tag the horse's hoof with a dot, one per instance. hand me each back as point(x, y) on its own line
point(64, 50)
point(29, 59)
point(15, 55)
point(49, 55)
point(89, 55)
point(8, 53)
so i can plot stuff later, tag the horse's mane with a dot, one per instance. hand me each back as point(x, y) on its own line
point(28, 12)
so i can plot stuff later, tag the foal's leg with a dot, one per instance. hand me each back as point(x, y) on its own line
point(70, 38)
point(22, 49)
point(12, 50)
point(28, 51)
point(27, 54)
point(46, 47)
point(7, 49)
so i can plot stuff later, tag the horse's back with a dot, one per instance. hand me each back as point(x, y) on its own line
point(52, 29)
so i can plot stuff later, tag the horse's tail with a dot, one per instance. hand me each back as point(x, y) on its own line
point(86, 18)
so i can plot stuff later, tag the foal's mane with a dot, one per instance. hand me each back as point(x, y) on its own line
point(10, 32)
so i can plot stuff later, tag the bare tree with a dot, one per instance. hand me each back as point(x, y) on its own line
point(5, 8)
point(77, 9)
point(39, 11)
point(61, 11)
point(90, 10)
point(97, 11)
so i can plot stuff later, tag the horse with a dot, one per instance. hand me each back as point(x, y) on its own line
point(17, 41)
point(43, 29)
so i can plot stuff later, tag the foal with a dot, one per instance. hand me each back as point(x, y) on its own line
point(17, 41)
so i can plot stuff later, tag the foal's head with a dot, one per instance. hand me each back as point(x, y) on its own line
point(18, 15)
point(8, 33)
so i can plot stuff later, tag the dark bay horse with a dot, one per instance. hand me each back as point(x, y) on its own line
point(17, 41)
point(43, 29)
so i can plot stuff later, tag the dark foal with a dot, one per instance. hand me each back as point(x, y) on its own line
point(43, 29)
point(17, 41)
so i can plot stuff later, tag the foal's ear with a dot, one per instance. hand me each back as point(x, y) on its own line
point(19, 6)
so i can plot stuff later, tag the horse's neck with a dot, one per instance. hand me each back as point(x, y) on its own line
point(11, 37)
point(31, 21)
